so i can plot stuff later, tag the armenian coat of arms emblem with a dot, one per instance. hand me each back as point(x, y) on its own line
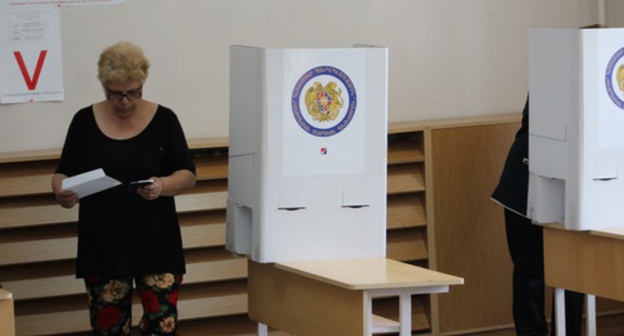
point(324, 101)
point(614, 78)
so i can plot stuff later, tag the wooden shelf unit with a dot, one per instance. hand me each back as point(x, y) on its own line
point(38, 246)
point(37, 239)
point(406, 221)
point(439, 216)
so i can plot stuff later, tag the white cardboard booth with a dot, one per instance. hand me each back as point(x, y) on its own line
point(576, 127)
point(307, 153)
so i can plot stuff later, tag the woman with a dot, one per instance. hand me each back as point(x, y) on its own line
point(128, 234)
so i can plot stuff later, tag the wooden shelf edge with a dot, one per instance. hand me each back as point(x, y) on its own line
point(421, 125)
point(55, 153)
point(32, 155)
point(216, 142)
point(482, 120)
point(384, 325)
point(197, 143)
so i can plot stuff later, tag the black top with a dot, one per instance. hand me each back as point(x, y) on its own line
point(120, 233)
point(512, 189)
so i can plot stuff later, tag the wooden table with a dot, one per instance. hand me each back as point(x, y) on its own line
point(7, 315)
point(587, 262)
point(334, 297)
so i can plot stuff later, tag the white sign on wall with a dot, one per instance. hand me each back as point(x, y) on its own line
point(30, 55)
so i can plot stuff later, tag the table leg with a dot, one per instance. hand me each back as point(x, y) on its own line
point(368, 313)
point(590, 309)
point(405, 311)
point(560, 311)
point(263, 329)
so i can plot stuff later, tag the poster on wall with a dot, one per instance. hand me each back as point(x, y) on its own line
point(59, 2)
point(30, 50)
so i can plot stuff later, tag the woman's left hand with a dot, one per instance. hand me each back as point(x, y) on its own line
point(152, 191)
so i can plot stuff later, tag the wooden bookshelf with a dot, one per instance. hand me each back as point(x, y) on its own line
point(439, 215)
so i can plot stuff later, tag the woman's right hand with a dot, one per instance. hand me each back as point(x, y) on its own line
point(66, 198)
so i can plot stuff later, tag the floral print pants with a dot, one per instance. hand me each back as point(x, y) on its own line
point(110, 304)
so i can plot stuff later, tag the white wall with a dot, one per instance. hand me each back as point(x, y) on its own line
point(614, 12)
point(448, 58)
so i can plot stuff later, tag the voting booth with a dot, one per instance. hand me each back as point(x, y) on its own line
point(576, 127)
point(307, 153)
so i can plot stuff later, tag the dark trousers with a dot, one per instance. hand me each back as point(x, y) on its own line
point(526, 248)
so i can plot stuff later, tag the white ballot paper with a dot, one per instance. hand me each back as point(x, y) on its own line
point(89, 183)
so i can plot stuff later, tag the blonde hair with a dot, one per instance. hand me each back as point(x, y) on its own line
point(122, 62)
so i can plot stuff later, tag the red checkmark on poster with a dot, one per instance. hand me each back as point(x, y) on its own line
point(31, 82)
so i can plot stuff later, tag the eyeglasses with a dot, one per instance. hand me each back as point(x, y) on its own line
point(120, 95)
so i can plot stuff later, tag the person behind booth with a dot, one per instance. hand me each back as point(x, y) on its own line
point(125, 234)
point(525, 243)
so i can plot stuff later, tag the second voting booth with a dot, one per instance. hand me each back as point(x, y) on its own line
point(576, 160)
point(576, 127)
